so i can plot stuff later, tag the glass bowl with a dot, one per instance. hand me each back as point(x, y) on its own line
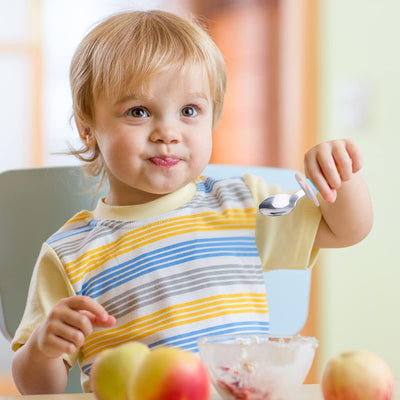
point(259, 367)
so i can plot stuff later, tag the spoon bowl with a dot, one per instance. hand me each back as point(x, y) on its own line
point(282, 204)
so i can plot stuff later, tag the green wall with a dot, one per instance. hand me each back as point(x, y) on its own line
point(360, 99)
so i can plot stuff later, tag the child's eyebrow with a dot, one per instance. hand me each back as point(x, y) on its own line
point(199, 95)
point(125, 98)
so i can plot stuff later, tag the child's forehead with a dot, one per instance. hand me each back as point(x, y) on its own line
point(141, 86)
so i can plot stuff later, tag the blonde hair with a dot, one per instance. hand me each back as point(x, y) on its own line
point(124, 52)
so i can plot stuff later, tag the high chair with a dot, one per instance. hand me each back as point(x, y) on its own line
point(35, 202)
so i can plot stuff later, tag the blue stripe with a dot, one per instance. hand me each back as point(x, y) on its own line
point(169, 252)
point(128, 277)
point(144, 262)
point(62, 235)
point(149, 262)
point(207, 186)
point(86, 368)
point(189, 337)
point(191, 344)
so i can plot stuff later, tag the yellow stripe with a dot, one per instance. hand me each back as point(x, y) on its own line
point(154, 232)
point(178, 315)
point(206, 301)
point(81, 216)
point(192, 305)
point(127, 246)
point(171, 223)
point(130, 336)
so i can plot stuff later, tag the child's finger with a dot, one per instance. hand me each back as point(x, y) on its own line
point(70, 335)
point(55, 337)
point(328, 168)
point(86, 303)
point(314, 172)
point(343, 162)
point(110, 321)
point(74, 319)
point(355, 154)
point(56, 345)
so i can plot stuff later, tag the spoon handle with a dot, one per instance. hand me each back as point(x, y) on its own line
point(302, 181)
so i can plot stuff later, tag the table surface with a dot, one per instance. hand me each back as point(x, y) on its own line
point(307, 392)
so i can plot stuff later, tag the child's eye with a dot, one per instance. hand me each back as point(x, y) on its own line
point(137, 112)
point(189, 111)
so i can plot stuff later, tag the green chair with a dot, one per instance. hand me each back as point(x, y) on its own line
point(35, 202)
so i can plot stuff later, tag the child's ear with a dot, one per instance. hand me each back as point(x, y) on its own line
point(86, 134)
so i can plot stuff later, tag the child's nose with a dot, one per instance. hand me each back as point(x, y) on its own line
point(165, 134)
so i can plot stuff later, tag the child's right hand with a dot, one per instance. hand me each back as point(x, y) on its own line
point(68, 324)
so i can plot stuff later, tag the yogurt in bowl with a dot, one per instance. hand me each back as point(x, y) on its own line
point(257, 367)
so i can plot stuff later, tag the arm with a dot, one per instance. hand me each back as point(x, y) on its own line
point(38, 366)
point(345, 203)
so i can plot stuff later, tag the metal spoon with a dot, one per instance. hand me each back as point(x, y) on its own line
point(281, 204)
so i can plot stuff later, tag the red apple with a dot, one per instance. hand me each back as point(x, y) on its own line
point(113, 368)
point(357, 375)
point(169, 373)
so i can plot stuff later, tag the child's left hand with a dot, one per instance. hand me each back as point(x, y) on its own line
point(328, 164)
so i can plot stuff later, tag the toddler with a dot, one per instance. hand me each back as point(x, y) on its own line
point(168, 255)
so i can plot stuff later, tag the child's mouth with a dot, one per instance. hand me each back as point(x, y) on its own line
point(165, 162)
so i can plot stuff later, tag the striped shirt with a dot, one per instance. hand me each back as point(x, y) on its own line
point(170, 276)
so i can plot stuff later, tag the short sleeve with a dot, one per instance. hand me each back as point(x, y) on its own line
point(48, 285)
point(285, 242)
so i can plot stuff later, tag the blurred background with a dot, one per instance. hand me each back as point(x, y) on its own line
point(299, 72)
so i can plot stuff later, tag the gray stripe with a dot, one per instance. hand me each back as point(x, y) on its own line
point(160, 289)
point(120, 312)
point(253, 269)
point(101, 230)
point(235, 192)
point(214, 202)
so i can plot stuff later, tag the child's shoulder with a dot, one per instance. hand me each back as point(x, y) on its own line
point(80, 222)
point(81, 218)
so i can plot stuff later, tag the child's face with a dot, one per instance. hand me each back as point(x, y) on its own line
point(156, 142)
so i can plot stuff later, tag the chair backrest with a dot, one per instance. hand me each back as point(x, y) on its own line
point(35, 202)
